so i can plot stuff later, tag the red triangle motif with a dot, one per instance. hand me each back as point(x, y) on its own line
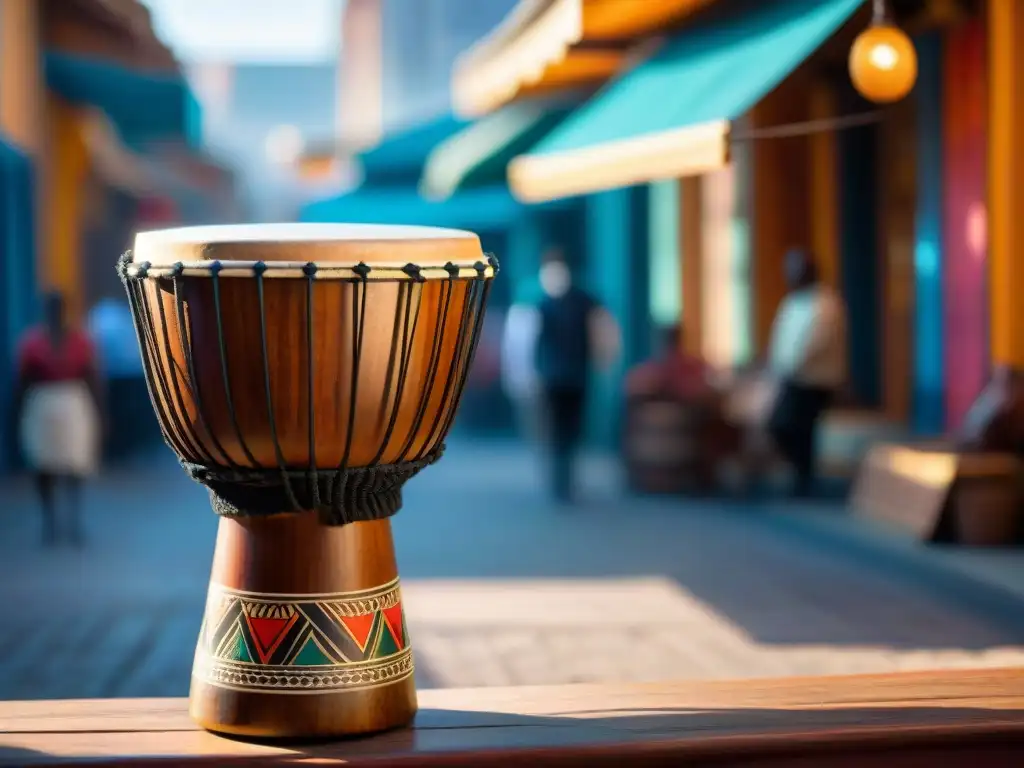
point(359, 627)
point(393, 617)
point(268, 631)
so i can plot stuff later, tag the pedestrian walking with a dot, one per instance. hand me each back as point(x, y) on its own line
point(568, 335)
point(807, 358)
point(59, 408)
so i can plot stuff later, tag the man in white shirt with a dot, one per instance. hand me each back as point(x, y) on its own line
point(807, 357)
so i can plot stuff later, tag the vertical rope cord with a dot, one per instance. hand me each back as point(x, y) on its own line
point(314, 480)
point(185, 335)
point(134, 302)
point(443, 298)
point(404, 341)
point(215, 269)
point(439, 415)
point(174, 426)
point(196, 442)
point(358, 322)
point(369, 492)
point(258, 269)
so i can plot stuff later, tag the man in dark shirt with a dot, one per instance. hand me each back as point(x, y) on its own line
point(574, 333)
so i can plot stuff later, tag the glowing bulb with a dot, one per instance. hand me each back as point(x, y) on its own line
point(883, 63)
point(884, 56)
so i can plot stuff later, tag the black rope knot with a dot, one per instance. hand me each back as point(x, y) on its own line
point(414, 271)
point(122, 265)
point(339, 497)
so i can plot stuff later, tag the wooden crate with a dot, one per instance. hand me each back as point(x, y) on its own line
point(671, 447)
point(942, 495)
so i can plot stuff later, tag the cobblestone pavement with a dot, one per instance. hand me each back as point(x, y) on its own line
point(503, 588)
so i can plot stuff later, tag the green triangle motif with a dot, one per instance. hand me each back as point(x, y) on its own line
point(311, 655)
point(237, 650)
point(386, 645)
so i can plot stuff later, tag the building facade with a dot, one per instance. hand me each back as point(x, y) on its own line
point(911, 208)
point(260, 118)
point(397, 59)
point(87, 92)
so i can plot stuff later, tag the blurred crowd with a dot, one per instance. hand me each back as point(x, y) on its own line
point(684, 422)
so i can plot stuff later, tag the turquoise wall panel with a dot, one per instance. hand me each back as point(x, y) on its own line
point(929, 368)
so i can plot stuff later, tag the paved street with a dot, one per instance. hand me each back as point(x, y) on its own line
point(502, 588)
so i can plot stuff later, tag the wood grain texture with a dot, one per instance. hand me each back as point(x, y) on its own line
point(691, 251)
point(202, 426)
point(1002, 122)
point(780, 198)
point(920, 719)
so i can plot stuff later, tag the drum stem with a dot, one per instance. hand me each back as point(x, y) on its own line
point(304, 633)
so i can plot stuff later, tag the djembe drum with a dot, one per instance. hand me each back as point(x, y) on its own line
point(304, 373)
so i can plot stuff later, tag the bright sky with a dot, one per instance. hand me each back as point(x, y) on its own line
point(249, 30)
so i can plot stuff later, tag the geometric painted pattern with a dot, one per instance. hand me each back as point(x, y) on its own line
point(303, 643)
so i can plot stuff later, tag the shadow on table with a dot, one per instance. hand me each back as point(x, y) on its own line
point(933, 736)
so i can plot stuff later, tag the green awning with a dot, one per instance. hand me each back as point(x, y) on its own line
point(478, 156)
point(669, 117)
point(479, 210)
point(144, 106)
point(399, 159)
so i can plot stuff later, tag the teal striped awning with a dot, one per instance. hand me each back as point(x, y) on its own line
point(670, 116)
point(144, 106)
point(479, 210)
point(478, 156)
point(400, 157)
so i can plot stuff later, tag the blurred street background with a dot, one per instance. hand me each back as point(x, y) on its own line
point(505, 588)
point(694, 169)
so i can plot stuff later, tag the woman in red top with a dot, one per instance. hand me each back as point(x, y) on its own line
point(59, 406)
point(673, 373)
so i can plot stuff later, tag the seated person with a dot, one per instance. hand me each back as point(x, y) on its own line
point(995, 422)
point(672, 373)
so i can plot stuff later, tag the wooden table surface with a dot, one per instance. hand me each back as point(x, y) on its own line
point(928, 720)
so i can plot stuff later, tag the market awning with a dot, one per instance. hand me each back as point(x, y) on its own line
point(143, 106)
point(110, 159)
point(479, 210)
point(400, 157)
point(548, 45)
point(671, 116)
point(18, 284)
point(478, 156)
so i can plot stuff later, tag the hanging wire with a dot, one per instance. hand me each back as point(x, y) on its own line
point(878, 12)
point(808, 127)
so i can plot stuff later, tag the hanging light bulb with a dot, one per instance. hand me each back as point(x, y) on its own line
point(883, 62)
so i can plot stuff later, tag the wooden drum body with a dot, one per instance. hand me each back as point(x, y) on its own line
point(303, 374)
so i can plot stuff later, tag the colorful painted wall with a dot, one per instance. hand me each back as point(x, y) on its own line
point(929, 406)
point(964, 274)
point(616, 272)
